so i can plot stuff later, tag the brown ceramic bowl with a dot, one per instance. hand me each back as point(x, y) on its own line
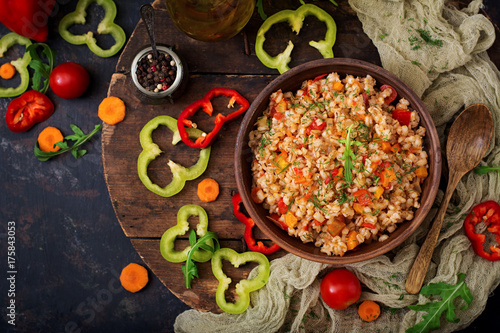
point(291, 81)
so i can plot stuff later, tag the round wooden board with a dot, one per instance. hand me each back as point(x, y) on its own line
point(143, 215)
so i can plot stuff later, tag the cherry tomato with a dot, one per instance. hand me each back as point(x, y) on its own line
point(340, 288)
point(28, 109)
point(69, 80)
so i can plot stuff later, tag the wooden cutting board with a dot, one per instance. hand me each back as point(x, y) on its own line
point(143, 215)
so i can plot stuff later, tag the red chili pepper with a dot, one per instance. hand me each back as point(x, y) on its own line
point(27, 18)
point(206, 104)
point(363, 197)
point(249, 224)
point(392, 96)
point(489, 213)
point(28, 109)
point(403, 116)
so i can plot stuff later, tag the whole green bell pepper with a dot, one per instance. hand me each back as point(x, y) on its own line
point(168, 239)
point(245, 286)
point(21, 64)
point(106, 26)
point(151, 151)
point(295, 19)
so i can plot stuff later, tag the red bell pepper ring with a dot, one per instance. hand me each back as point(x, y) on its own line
point(392, 96)
point(27, 18)
point(206, 105)
point(28, 109)
point(489, 213)
point(249, 224)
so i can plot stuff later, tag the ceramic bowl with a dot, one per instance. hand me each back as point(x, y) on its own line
point(291, 81)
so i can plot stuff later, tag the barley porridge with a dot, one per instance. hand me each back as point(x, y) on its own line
point(340, 162)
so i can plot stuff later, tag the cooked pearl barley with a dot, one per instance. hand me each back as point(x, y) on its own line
point(311, 177)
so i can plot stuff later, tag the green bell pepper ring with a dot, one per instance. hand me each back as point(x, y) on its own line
point(295, 19)
point(106, 26)
point(182, 226)
point(245, 286)
point(151, 151)
point(21, 64)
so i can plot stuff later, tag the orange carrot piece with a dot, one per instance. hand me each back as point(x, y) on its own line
point(421, 172)
point(396, 148)
point(387, 176)
point(7, 71)
point(48, 137)
point(338, 86)
point(112, 110)
point(352, 240)
point(369, 310)
point(134, 277)
point(378, 193)
point(336, 226)
point(386, 147)
point(208, 190)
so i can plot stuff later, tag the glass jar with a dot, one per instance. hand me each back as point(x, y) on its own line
point(210, 20)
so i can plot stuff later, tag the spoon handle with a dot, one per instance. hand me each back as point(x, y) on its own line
point(418, 271)
point(147, 14)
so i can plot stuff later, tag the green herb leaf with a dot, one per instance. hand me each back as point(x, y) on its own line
point(41, 68)
point(189, 269)
point(260, 9)
point(482, 170)
point(426, 36)
point(79, 138)
point(448, 293)
point(348, 155)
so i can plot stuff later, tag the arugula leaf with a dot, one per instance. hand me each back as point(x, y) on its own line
point(41, 68)
point(190, 269)
point(79, 137)
point(348, 156)
point(447, 293)
point(482, 170)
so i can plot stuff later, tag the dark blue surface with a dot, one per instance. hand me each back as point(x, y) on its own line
point(69, 245)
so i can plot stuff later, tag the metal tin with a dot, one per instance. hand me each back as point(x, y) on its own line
point(173, 91)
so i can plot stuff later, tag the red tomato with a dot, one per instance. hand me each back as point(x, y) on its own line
point(28, 109)
point(69, 80)
point(340, 288)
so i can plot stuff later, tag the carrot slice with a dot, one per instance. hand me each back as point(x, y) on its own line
point(48, 137)
point(7, 71)
point(208, 190)
point(134, 277)
point(369, 310)
point(112, 110)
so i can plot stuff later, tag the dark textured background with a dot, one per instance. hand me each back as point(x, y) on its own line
point(69, 245)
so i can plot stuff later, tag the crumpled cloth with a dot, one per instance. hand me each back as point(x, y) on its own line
point(447, 78)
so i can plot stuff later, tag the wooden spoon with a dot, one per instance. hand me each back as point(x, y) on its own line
point(468, 140)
